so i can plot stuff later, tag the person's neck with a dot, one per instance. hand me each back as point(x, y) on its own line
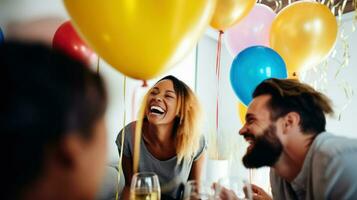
point(292, 159)
point(160, 134)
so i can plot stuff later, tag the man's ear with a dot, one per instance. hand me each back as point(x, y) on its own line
point(291, 121)
point(69, 150)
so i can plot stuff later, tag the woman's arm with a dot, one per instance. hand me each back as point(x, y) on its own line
point(127, 165)
point(196, 169)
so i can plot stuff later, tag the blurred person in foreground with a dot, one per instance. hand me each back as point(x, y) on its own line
point(53, 136)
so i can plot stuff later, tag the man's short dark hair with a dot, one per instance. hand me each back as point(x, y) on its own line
point(290, 95)
point(45, 95)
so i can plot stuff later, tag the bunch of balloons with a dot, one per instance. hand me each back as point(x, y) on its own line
point(143, 39)
point(300, 36)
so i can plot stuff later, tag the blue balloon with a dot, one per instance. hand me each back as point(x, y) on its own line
point(1, 37)
point(253, 65)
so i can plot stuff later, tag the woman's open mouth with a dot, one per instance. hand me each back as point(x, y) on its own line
point(157, 110)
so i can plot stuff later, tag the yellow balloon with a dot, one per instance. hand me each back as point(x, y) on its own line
point(303, 33)
point(141, 38)
point(229, 12)
point(242, 110)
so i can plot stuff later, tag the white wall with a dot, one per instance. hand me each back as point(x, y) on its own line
point(20, 10)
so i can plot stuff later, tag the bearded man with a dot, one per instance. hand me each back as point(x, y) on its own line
point(285, 127)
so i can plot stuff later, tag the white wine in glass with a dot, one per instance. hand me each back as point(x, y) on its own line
point(145, 186)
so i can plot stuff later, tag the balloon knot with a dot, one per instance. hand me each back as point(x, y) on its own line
point(145, 84)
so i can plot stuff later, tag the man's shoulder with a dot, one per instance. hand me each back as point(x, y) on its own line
point(329, 145)
point(334, 167)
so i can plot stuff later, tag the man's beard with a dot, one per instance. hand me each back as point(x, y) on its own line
point(266, 150)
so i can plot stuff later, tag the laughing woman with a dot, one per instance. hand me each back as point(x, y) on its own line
point(171, 144)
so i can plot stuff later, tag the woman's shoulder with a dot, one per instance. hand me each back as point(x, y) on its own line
point(130, 127)
point(202, 146)
point(128, 130)
point(202, 142)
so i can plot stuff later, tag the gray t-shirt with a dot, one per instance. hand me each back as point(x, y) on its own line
point(171, 174)
point(329, 172)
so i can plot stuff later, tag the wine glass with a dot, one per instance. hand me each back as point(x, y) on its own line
point(233, 188)
point(198, 191)
point(145, 186)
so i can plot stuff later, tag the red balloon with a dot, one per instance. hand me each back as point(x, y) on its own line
point(68, 41)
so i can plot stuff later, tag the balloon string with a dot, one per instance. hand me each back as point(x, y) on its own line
point(122, 139)
point(218, 69)
point(134, 98)
point(145, 83)
point(98, 65)
point(124, 102)
point(133, 106)
point(196, 67)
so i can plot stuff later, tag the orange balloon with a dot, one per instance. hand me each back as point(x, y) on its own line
point(242, 111)
point(304, 34)
point(229, 12)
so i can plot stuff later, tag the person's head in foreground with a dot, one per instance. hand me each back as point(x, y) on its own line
point(52, 125)
point(281, 111)
point(170, 102)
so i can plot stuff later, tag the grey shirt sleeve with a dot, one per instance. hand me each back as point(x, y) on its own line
point(329, 172)
point(201, 149)
point(339, 179)
point(127, 140)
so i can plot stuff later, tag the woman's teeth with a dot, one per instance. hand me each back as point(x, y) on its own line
point(157, 110)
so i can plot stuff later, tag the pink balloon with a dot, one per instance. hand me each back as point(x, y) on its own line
point(252, 30)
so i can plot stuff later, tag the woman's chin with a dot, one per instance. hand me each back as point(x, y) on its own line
point(154, 119)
